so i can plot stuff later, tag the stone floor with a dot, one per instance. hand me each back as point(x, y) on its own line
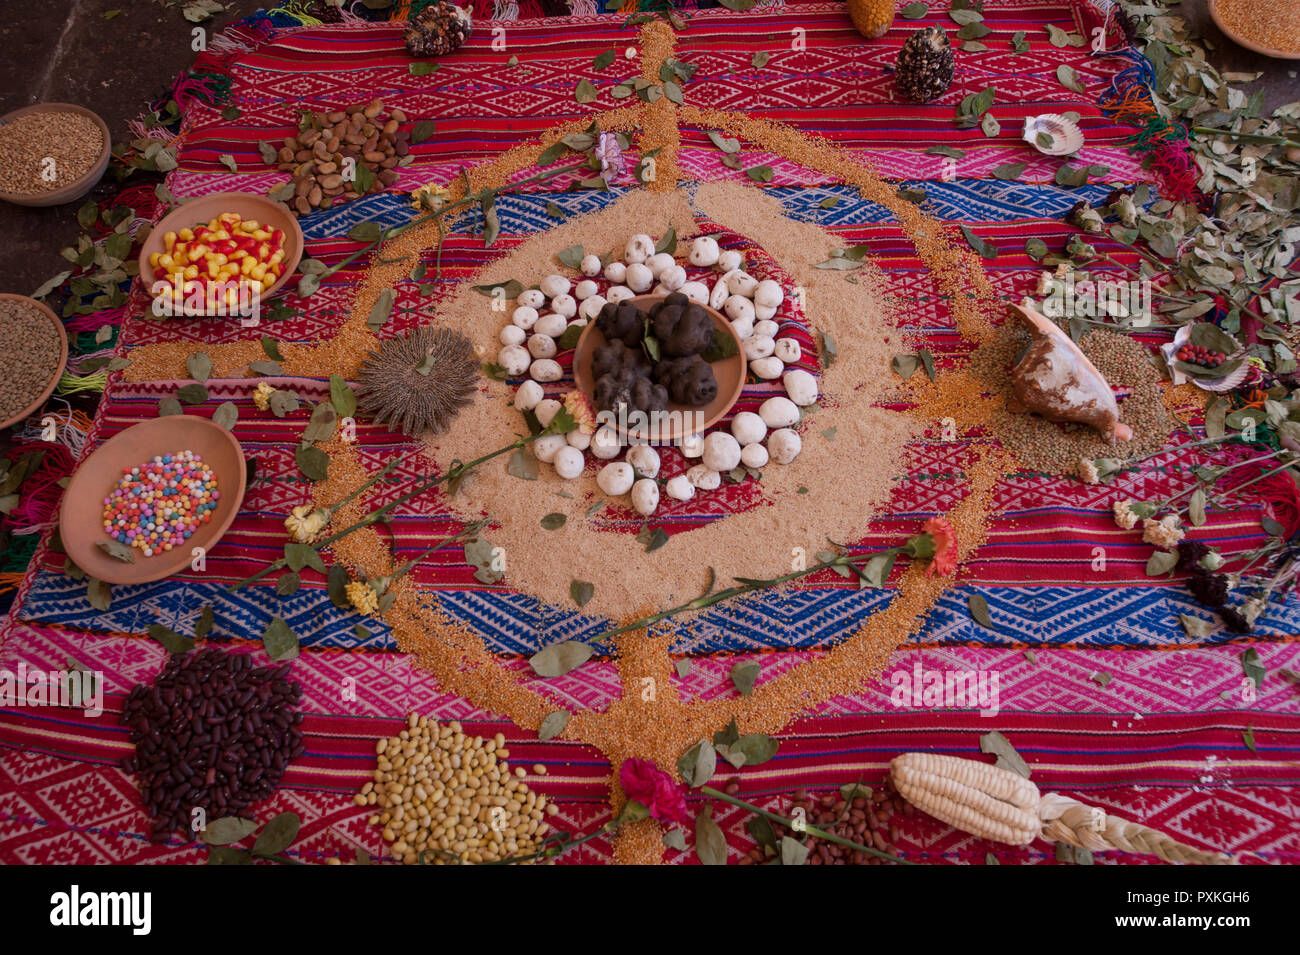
point(65, 50)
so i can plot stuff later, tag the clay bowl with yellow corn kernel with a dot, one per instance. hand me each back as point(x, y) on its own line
point(230, 249)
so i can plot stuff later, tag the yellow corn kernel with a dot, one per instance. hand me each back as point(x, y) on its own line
point(186, 234)
point(191, 271)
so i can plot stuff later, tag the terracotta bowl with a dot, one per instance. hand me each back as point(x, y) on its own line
point(249, 206)
point(80, 523)
point(729, 372)
point(63, 358)
point(1243, 41)
point(78, 187)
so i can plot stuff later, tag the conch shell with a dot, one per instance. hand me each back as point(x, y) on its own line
point(1056, 380)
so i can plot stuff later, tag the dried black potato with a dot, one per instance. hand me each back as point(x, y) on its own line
point(628, 388)
point(681, 326)
point(689, 380)
point(617, 356)
point(622, 322)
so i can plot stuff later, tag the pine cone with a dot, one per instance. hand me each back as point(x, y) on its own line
point(437, 30)
point(925, 65)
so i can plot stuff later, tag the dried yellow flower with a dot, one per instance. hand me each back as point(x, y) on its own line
point(1124, 516)
point(305, 522)
point(262, 396)
point(1087, 471)
point(430, 197)
point(362, 596)
point(1164, 533)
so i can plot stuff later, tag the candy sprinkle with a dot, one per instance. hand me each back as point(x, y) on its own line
point(158, 505)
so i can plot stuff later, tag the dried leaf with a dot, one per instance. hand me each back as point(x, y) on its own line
point(559, 658)
point(979, 611)
point(698, 764)
point(312, 462)
point(744, 675)
point(553, 725)
point(581, 591)
point(171, 641)
point(710, 844)
point(279, 641)
point(998, 745)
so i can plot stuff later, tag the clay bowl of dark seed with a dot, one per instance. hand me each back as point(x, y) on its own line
point(51, 153)
point(33, 351)
point(212, 732)
point(81, 524)
point(684, 418)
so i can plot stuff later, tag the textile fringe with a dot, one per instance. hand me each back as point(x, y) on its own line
point(38, 508)
point(18, 554)
point(1130, 100)
point(72, 427)
point(75, 384)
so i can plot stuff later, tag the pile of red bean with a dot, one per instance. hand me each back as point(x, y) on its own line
point(867, 821)
point(212, 732)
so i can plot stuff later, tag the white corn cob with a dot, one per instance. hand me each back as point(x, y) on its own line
point(979, 798)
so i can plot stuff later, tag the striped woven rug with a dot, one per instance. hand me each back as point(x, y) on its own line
point(1100, 689)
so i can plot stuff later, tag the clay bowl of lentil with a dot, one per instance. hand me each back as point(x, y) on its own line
point(1270, 29)
point(199, 213)
point(81, 523)
point(728, 372)
point(33, 351)
point(51, 153)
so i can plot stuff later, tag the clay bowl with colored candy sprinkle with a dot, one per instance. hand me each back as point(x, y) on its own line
point(81, 523)
point(200, 212)
point(729, 373)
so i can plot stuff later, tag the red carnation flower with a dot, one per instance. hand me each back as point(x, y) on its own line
point(944, 562)
point(646, 783)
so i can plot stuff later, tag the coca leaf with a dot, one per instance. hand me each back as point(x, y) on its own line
point(312, 462)
point(979, 611)
point(744, 675)
point(277, 835)
point(323, 421)
point(698, 764)
point(117, 550)
point(553, 725)
point(571, 256)
point(342, 397)
point(560, 658)
point(998, 745)
point(279, 641)
point(581, 591)
point(282, 403)
point(228, 830)
point(710, 844)
point(194, 394)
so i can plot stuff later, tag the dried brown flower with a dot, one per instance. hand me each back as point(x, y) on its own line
point(418, 382)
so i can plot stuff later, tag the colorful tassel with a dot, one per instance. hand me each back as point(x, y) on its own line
point(75, 384)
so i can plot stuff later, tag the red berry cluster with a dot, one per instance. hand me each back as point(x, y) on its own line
point(1199, 355)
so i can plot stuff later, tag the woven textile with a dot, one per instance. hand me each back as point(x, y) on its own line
point(1114, 704)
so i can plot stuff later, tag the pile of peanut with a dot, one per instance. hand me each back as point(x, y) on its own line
point(318, 156)
point(452, 797)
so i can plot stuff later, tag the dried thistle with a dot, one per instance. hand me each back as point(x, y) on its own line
point(418, 382)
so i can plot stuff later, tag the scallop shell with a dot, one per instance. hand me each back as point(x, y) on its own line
point(1226, 383)
point(1066, 135)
